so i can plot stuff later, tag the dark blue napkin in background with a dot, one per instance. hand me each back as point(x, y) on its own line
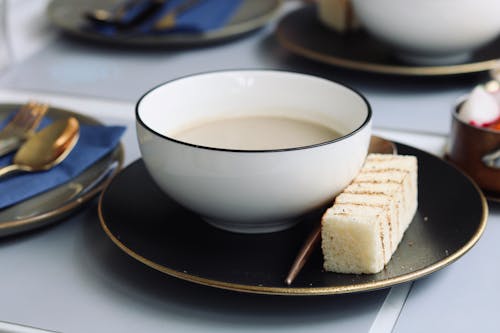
point(203, 16)
point(94, 143)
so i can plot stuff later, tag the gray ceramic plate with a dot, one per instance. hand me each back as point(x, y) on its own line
point(302, 33)
point(153, 229)
point(68, 15)
point(53, 205)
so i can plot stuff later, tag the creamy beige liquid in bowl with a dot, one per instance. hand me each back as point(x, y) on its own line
point(256, 133)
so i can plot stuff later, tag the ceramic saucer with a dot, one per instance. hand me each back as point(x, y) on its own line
point(147, 225)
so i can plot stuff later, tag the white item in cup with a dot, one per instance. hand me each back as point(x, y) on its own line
point(480, 108)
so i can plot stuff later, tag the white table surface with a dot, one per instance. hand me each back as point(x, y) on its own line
point(70, 278)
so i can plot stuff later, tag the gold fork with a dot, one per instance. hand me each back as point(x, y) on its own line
point(21, 126)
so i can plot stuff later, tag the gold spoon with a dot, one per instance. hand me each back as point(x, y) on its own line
point(46, 148)
point(378, 146)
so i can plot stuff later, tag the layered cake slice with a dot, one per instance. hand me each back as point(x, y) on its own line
point(363, 228)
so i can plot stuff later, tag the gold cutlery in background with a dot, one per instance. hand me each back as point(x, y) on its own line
point(117, 17)
point(22, 126)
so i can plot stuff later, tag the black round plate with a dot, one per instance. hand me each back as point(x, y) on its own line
point(149, 226)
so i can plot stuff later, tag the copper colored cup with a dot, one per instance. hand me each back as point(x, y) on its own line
point(468, 145)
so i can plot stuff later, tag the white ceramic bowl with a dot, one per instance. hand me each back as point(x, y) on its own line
point(431, 32)
point(252, 191)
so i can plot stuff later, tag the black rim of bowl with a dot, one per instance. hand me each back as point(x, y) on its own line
point(343, 137)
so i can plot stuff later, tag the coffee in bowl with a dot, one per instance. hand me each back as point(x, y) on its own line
point(239, 133)
point(252, 151)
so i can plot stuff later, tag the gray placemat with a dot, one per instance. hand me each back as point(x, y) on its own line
point(80, 68)
point(464, 296)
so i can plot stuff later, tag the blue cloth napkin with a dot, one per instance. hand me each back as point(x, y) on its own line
point(203, 16)
point(94, 142)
